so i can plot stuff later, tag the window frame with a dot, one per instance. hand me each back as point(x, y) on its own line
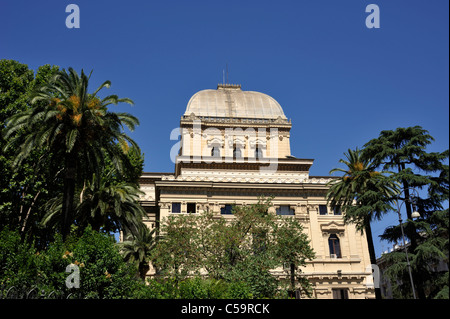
point(226, 210)
point(321, 210)
point(237, 150)
point(340, 293)
point(190, 205)
point(215, 151)
point(258, 152)
point(291, 211)
point(172, 206)
point(334, 246)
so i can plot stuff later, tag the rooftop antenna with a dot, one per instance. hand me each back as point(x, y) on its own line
point(227, 73)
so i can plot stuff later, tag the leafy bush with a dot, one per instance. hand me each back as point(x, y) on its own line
point(199, 288)
point(193, 288)
point(103, 272)
point(18, 262)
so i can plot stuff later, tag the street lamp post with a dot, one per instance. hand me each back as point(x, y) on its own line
point(415, 214)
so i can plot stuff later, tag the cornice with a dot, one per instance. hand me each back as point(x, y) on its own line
point(188, 120)
point(252, 164)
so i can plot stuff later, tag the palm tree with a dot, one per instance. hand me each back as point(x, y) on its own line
point(109, 205)
point(138, 247)
point(102, 203)
point(362, 194)
point(77, 128)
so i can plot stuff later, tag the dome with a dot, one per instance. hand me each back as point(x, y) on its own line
point(229, 101)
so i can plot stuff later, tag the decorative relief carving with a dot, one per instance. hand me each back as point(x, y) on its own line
point(240, 142)
point(280, 120)
point(301, 209)
point(333, 227)
point(258, 142)
point(149, 193)
point(215, 141)
point(164, 205)
point(241, 177)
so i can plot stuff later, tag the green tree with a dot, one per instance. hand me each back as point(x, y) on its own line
point(76, 127)
point(25, 189)
point(241, 249)
point(404, 152)
point(18, 266)
point(138, 248)
point(292, 247)
point(103, 272)
point(431, 251)
point(216, 241)
point(175, 253)
point(104, 204)
point(362, 194)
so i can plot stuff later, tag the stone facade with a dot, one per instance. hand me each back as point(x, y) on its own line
point(234, 148)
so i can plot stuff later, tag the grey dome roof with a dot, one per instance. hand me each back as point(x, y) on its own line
point(229, 101)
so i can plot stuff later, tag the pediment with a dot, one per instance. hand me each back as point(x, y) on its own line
point(257, 142)
point(333, 226)
point(215, 141)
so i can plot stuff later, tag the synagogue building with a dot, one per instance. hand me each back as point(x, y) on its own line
point(235, 147)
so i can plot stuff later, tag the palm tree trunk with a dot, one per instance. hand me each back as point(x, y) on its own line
point(373, 258)
point(28, 213)
point(68, 195)
point(143, 269)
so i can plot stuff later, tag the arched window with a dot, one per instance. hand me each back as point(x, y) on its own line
point(237, 153)
point(258, 152)
point(335, 247)
point(215, 152)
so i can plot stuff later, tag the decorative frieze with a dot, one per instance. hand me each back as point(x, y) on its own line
point(246, 178)
point(333, 227)
point(149, 193)
point(164, 205)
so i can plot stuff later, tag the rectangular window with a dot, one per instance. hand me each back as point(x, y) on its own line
point(337, 211)
point(340, 293)
point(176, 207)
point(285, 210)
point(226, 210)
point(335, 247)
point(323, 210)
point(191, 208)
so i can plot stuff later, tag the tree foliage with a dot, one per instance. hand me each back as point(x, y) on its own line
point(390, 171)
point(24, 190)
point(245, 248)
point(362, 194)
point(76, 127)
point(103, 272)
point(424, 180)
point(62, 142)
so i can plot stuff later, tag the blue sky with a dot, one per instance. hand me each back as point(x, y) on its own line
point(340, 82)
